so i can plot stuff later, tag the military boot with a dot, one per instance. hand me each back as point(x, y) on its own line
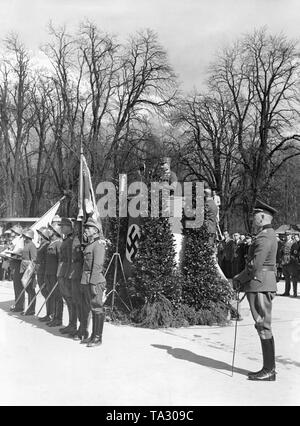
point(57, 319)
point(267, 373)
point(97, 340)
point(46, 318)
point(86, 338)
point(295, 284)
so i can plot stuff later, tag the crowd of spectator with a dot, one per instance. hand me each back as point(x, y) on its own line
point(5, 243)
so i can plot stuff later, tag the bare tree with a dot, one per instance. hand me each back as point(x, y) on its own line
point(259, 75)
point(15, 89)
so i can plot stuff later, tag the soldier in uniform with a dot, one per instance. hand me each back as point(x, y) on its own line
point(63, 274)
point(93, 283)
point(15, 264)
point(29, 254)
point(295, 263)
point(75, 277)
point(286, 263)
point(52, 261)
point(258, 281)
point(41, 268)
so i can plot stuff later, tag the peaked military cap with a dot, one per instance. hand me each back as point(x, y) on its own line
point(65, 221)
point(260, 206)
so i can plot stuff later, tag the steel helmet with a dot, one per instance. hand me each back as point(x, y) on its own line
point(56, 229)
point(17, 229)
point(65, 221)
point(44, 232)
point(28, 233)
point(56, 219)
point(92, 223)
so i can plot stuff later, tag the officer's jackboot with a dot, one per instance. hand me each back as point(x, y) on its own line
point(295, 288)
point(73, 321)
point(80, 332)
point(57, 319)
point(88, 339)
point(97, 340)
point(267, 373)
point(287, 287)
point(32, 303)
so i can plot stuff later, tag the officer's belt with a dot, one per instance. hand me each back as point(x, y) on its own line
point(268, 268)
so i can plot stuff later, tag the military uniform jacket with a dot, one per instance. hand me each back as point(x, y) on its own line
point(29, 254)
point(94, 255)
point(41, 258)
point(259, 274)
point(77, 260)
point(52, 257)
point(65, 258)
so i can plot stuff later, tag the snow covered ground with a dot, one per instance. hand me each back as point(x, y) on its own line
point(136, 366)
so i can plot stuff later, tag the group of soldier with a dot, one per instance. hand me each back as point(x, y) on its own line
point(68, 268)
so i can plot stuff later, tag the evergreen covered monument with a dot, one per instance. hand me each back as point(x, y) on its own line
point(164, 295)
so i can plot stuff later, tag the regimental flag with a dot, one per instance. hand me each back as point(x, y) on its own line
point(87, 207)
point(45, 219)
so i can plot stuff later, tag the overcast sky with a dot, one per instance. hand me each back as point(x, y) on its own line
point(190, 30)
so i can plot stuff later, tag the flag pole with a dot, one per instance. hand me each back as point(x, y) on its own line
point(80, 194)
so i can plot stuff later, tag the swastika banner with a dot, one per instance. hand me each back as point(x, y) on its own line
point(132, 243)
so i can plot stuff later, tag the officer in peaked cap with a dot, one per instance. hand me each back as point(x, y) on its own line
point(29, 255)
point(258, 281)
point(63, 274)
point(44, 234)
point(93, 282)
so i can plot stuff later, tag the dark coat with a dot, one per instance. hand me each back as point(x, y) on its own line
point(77, 260)
point(65, 258)
point(259, 274)
point(41, 258)
point(52, 257)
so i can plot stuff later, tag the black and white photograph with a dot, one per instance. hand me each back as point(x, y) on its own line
point(149, 205)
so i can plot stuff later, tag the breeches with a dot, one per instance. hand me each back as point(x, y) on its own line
point(65, 288)
point(42, 285)
point(92, 297)
point(18, 288)
point(261, 310)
